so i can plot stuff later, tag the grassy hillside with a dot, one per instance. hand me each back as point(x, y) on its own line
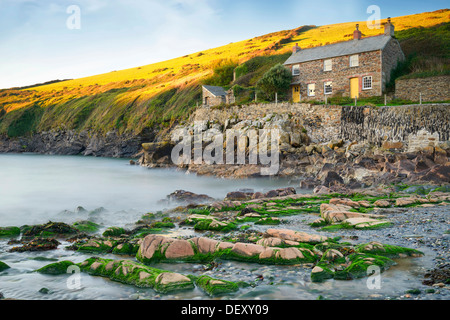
point(157, 95)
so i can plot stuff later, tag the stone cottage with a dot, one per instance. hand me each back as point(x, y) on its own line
point(357, 68)
point(214, 96)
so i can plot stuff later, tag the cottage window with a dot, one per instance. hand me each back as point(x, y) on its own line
point(311, 90)
point(296, 70)
point(328, 65)
point(328, 87)
point(354, 61)
point(367, 83)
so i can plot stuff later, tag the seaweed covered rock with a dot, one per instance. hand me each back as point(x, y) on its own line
point(126, 248)
point(37, 244)
point(387, 250)
point(207, 222)
point(359, 265)
point(214, 225)
point(360, 223)
point(298, 236)
point(157, 248)
point(187, 197)
point(215, 287)
point(133, 273)
point(56, 268)
point(49, 230)
point(96, 246)
point(334, 213)
point(114, 232)
point(439, 275)
point(86, 226)
point(3, 266)
point(346, 262)
point(9, 232)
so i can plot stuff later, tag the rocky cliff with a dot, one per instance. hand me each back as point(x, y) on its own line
point(327, 145)
point(72, 142)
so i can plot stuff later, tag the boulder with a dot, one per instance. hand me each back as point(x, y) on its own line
point(9, 232)
point(169, 278)
point(179, 249)
point(37, 244)
point(289, 254)
point(3, 266)
point(238, 195)
point(337, 213)
point(439, 175)
point(205, 245)
point(270, 242)
point(382, 203)
point(322, 190)
point(187, 197)
point(362, 223)
point(280, 192)
point(346, 202)
point(332, 178)
point(151, 244)
point(297, 236)
point(247, 249)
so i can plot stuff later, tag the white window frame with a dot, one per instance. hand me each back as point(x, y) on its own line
point(325, 84)
point(364, 87)
point(296, 70)
point(309, 90)
point(354, 61)
point(328, 65)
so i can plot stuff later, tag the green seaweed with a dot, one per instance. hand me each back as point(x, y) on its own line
point(86, 226)
point(133, 273)
point(56, 268)
point(114, 232)
point(126, 249)
point(387, 250)
point(9, 232)
point(3, 266)
point(215, 287)
point(206, 224)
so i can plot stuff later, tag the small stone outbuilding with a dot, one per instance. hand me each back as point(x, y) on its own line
point(214, 96)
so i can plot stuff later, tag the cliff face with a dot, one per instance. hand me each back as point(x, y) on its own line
point(361, 144)
point(70, 142)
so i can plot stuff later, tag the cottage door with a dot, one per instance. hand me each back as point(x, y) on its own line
point(354, 88)
point(296, 94)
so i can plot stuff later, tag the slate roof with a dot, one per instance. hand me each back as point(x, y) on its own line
point(216, 91)
point(340, 49)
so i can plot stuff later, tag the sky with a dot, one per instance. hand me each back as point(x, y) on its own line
point(44, 40)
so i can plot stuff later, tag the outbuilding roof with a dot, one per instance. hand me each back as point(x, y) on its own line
point(216, 91)
point(340, 49)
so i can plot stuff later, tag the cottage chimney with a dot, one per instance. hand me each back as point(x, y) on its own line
point(296, 48)
point(357, 35)
point(389, 29)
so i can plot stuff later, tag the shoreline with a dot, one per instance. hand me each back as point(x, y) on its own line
point(407, 229)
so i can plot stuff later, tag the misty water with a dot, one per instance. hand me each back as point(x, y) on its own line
point(35, 189)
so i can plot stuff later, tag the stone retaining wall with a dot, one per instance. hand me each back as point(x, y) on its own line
point(432, 89)
point(416, 126)
point(322, 122)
